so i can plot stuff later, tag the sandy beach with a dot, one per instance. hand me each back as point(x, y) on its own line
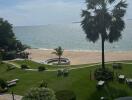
point(79, 57)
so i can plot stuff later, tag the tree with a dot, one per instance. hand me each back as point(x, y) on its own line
point(8, 41)
point(40, 94)
point(103, 18)
point(59, 52)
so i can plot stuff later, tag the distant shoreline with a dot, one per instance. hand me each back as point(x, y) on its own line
point(81, 50)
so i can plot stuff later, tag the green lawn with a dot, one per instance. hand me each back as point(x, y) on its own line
point(77, 81)
point(35, 65)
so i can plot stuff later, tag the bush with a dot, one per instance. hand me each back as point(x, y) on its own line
point(3, 90)
point(41, 68)
point(9, 55)
point(24, 67)
point(3, 85)
point(65, 72)
point(40, 94)
point(103, 74)
point(59, 72)
point(43, 84)
point(23, 55)
point(10, 67)
point(65, 95)
point(117, 66)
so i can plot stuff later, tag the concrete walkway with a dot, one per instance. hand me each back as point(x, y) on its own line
point(51, 70)
point(9, 97)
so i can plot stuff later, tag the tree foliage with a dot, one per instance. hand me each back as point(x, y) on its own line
point(8, 41)
point(59, 52)
point(40, 94)
point(104, 18)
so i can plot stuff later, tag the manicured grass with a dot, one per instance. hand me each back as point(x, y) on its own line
point(30, 64)
point(77, 81)
point(35, 65)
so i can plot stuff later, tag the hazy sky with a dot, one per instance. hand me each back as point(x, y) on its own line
point(41, 12)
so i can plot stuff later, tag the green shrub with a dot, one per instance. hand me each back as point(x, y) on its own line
point(65, 95)
point(41, 68)
point(3, 84)
point(23, 55)
point(117, 66)
point(59, 72)
point(10, 67)
point(40, 94)
point(43, 84)
point(9, 55)
point(103, 74)
point(65, 72)
point(24, 66)
point(3, 90)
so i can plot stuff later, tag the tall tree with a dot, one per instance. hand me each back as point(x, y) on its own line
point(8, 41)
point(59, 52)
point(103, 19)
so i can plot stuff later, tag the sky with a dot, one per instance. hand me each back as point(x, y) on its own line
point(43, 12)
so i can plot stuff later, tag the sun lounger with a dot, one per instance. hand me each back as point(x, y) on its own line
point(121, 78)
point(129, 81)
point(11, 84)
point(100, 84)
point(14, 80)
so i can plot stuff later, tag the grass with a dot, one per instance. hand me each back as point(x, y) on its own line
point(31, 64)
point(78, 81)
point(35, 65)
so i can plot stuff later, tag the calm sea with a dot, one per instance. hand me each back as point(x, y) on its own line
point(70, 37)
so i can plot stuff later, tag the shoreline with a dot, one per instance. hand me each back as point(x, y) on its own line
point(81, 50)
point(79, 57)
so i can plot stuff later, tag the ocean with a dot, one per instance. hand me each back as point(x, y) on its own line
point(69, 37)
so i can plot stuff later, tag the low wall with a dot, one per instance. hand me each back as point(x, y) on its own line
point(64, 61)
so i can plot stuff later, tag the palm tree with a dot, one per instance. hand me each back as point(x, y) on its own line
point(103, 19)
point(59, 52)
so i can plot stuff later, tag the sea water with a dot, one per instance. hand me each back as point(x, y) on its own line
point(69, 37)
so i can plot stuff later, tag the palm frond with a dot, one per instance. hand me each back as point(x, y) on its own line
point(111, 1)
point(116, 28)
point(58, 51)
point(99, 21)
point(121, 5)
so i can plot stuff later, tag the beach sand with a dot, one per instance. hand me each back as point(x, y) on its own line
point(79, 57)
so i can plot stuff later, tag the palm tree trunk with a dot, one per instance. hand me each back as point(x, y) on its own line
point(103, 56)
point(59, 60)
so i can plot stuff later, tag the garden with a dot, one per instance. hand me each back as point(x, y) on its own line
point(79, 81)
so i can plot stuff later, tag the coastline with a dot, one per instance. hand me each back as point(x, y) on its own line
point(83, 50)
point(79, 56)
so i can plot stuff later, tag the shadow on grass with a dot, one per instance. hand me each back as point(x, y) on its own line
point(110, 93)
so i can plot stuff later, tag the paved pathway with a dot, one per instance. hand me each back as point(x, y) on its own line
point(9, 97)
point(18, 66)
